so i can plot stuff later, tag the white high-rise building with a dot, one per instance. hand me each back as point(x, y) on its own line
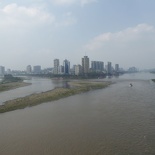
point(116, 67)
point(78, 69)
point(56, 66)
point(60, 69)
point(29, 69)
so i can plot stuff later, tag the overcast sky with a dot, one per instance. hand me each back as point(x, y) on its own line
point(35, 32)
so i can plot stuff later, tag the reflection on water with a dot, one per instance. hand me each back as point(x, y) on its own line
point(140, 75)
point(118, 120)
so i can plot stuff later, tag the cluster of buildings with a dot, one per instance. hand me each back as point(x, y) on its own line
point(81, 69)
point(86, 67)
point(36, 69)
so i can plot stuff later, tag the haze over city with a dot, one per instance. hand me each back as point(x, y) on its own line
point(36, 32)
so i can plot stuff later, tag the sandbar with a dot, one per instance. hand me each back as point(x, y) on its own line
point(12, 85)
point(76, 87)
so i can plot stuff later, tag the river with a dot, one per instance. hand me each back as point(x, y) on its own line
point(118, 120)
point(38, 85)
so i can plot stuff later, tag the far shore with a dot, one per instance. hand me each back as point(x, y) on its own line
point(12, 85)
point(76, 87)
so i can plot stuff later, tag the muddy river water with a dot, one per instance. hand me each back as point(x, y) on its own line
point(118, 120)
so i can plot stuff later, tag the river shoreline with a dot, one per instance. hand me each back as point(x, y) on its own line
point(12, 85)
point(76, 87)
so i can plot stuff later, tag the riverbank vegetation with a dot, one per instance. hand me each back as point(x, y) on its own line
point(13, 85)
point(9, 78)
point(9, 82)
point(57, 93)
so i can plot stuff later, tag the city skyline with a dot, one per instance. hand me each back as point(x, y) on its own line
point(85, 62)
point(86, 66)
point(36, 32)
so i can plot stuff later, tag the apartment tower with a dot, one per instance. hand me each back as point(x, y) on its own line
point(66, 65)
point(56, 66)
point(85, 65)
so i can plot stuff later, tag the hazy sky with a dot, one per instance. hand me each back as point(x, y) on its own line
point(36, 32)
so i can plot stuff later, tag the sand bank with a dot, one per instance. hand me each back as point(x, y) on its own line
point(57, 93)
point(12, 85)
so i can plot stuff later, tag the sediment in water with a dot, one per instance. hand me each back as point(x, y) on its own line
point(57, 93)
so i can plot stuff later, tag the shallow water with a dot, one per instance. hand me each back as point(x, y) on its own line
point(118, 120)
point(38, 85)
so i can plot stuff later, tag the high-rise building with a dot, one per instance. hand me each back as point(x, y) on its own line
point(72, 70)
point(60, 69)
point(78, 69)
point(56, 66)
point(109, 68)
point(37, 69)
point(2, 70)
point(97, 66)
point(66, 65)
point(29, 69)
point(85, 64)
point(116, 67)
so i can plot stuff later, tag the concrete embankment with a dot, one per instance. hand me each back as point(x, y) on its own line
point(57, 93)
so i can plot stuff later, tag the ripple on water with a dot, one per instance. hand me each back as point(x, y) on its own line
point(117, 120)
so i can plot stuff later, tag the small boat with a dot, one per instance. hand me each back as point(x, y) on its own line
point(130, 85)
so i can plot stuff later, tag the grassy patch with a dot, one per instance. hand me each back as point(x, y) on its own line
point(12, 85)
